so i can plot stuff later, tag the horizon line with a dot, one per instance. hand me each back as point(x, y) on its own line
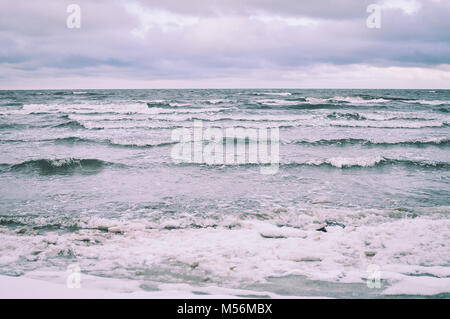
point(223, 88)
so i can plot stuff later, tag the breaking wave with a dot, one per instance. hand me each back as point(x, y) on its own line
point(355, 141)
point(70, 124)
point(337, 162)
point(342, 162)
point(61, 166)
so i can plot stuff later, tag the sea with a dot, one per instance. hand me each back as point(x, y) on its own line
point(358, 206)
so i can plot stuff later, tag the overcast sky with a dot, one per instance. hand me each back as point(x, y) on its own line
point(224, 43)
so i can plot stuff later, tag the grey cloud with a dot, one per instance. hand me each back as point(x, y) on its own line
point(224, 42)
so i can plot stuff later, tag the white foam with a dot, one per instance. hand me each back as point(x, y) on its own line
point(352, 161)
point(389, 124)
point(342, 162)
point(177, 104)
point(132, 141)
point(104, 109)
point(426, 285)
point(51, 285)
point(275, 93)
point(347, 99)
point(253, 249)
point(313, 100)
point(275, 102)
point(429, 102)
point(357, 100)
point(217, 101)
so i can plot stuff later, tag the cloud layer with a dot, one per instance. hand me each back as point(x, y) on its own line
point(204, 43)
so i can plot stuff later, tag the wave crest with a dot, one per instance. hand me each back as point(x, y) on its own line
point(362, 162)
point(353, 141)
point(61, 166)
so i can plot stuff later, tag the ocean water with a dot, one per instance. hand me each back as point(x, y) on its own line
point(359, 206)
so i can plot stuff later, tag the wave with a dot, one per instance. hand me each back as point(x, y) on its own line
point(360, 100)
point(216, 101)
point(178, 104)
point(288, 105)
point(429, 102)
point(90, 93)
point(6, 126)
point(61, 166)
point(386, 98)
point(62, 140)
point(61, 93)
point(272, 93)
point(12, 104)
point(138, 144)
point(305, 103)
point(297, 99)
point(341, 163)
point(71, 140)
point(272, 103)
point(289, 122)
point(383, 97)
point(375, 117)
point(112, 142)
point(366, 98)
point(158, 103)
point(393, 125)
point(70, 124)
point(151, 108)
point(162, 107)
point(355, 141)
point(109, 142)
point(350, 116)
point(160, 125)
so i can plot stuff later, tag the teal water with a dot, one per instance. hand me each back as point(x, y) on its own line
point(87, 177)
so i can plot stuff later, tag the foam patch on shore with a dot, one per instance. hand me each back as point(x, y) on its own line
point(51, 285)
point(236, 251)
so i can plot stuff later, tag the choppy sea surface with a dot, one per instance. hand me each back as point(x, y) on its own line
point(358, 208)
